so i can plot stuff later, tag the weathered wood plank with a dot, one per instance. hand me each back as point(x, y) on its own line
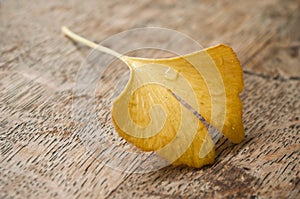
point(42, 153)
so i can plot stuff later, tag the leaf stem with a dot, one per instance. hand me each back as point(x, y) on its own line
point(67, 32)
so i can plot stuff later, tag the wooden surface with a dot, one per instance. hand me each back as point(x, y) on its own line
point(41, 155)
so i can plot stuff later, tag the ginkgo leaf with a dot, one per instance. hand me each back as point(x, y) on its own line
point(148, 115)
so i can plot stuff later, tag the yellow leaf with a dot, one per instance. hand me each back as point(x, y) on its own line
point(148, 115)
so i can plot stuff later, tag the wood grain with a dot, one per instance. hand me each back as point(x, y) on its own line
point(42, 154)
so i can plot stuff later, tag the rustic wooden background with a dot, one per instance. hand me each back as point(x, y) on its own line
point(41, 155)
